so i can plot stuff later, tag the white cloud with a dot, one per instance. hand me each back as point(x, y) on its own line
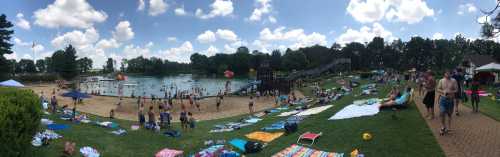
point(19, 42)
point(367, 11)
point(263, 7)
point(157, 7)
point(180, 11)
point(141, 6)
point(229, 49)
point(180, 54)
point(133, 51)
point(123, 31)
point(38, 48)
point(272, 19)
point(11, 56)
point(76, 38)
point(227, 34)
point(409, 11)
point(206, 37)
point(210, 51)
point(365, 34)
point(21, 22)
point(484, 19)
point(437, 35)
point(27, 56)
point(219, 8)
point(296, 38)
point(172, 39)
point(69, 13)
point(468, 7)
point(107, 44)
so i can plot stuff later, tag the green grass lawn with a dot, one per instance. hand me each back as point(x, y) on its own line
point(407, 136)
point(487, 105)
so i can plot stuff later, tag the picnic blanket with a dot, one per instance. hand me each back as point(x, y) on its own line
point(314, 110)
point(238, 143)
point(89, 152)
point(355, 110)
point(57, 126)
point(47, 134)
point(119, 132)
point(169, 153)
point(300, 151)
point(281, 124)
point(231, 126)
point(285, 114)
point(216, 151)
point(264, 136)
point(45, 121)
point(107, 124)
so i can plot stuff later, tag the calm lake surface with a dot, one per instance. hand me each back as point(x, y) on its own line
point(145, 85)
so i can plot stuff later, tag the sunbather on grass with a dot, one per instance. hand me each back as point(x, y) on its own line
point(398, 101)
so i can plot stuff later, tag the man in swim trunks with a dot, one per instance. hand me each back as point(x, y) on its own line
point(446, 90)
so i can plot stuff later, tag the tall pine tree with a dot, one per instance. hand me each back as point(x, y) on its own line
point(5, 46)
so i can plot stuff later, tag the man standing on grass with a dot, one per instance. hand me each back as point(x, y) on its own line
point(446, 90)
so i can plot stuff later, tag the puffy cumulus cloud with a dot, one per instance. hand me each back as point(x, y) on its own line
point(298, 36)
point(365, 34)
point(123, 31)
point(218, 8)
point(141, 5)
point(227, 34)
point(11, 56)
point(261, 46)
point(38, 48)
point(20, 42)
point(367, 11)
point(69, 13)
point(466, 8)
point(107, 44)
point(76, 38)
point(206, 37)
point(437, 35)
point(21, 22)
point(180, 54)
point(309, 40)
point(132, 51)
point(409, 11)
point(231, 48)
point(180, 11)
point(484, 19)
point(157, 7)
point(272, 19)
point(210, 51)
point(263, 7)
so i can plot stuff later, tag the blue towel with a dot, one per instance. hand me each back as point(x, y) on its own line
point(275, 126)
point(57, 126)
point(239, 143)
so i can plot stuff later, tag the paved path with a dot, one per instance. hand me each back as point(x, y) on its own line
point(474, 134)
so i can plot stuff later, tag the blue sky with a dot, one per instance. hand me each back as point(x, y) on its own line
point(175, 29)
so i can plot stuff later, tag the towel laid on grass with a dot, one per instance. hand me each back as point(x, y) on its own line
point(355, 110)
point(57, 126)
point(314, 110)
point(239, 143)
point(285, 114)
point(264, 136)
point(300, 151)
point(169, 153)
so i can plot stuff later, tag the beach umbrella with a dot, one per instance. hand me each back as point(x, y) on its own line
point(228, 74)
point(75, 94)
point(11, 83)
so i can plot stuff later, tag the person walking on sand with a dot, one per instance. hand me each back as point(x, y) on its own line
point(217, 102)
point(429, 84)
point(446, 90)
point(250, 105)
point(53, 103)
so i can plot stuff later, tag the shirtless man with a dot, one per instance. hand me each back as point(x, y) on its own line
point(446, 90)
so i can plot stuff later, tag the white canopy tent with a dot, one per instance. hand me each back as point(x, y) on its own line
point(492, 67)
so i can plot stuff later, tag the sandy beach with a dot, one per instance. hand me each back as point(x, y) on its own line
point(101, 105)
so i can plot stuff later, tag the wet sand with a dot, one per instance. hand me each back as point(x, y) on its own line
point(101, 105)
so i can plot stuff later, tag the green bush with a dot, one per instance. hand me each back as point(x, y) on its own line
point(20, 113)
point(46, 77)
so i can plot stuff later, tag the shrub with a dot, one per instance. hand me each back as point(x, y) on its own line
point(20, 113)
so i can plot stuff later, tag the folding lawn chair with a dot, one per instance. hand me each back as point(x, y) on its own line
point(308, 136)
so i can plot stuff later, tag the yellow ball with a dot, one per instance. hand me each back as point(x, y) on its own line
point(367, 136)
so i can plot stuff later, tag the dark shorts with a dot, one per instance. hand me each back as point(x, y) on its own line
point(474, 97)
point(445, 105)
point(429, 99)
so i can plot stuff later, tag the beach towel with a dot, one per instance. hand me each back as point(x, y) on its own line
point(89, 152)
point(300, 151)
point(45, 121)
point(47, 134)
point(314, 110)
point(264, 136)
point(57, 126)
point(285, 114)
point(238, 143)
point(275, 126)
point(107, 124)
point(216, 151)
point(355, 110)
point(169, 153)
point(253, 120)
point(119, 132)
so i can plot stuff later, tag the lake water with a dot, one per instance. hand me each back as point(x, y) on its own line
point(144, 85)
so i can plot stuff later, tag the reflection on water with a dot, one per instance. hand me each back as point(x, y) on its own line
point(157, 86)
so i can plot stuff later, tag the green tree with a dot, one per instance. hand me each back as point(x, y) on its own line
point(64, 63)
point(41, 65)
point(276, 60)
point(109, 67)
point(5, 46)
point(294, 60)
point(26, 66)
point(84, 64)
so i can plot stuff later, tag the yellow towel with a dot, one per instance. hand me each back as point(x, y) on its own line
point(264, 136)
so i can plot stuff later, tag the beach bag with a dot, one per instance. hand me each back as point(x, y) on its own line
point(252, 147)
point(290, 127)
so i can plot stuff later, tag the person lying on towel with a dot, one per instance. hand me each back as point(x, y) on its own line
point(399, 102)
